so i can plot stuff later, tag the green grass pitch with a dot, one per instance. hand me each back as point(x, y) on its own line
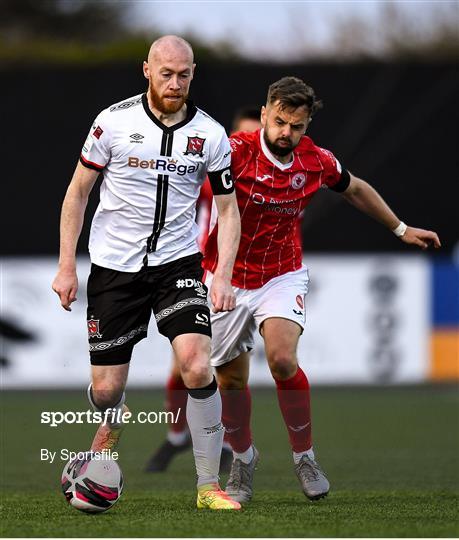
point(391, 454)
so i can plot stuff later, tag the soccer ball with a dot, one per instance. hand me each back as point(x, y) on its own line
point(91, 484)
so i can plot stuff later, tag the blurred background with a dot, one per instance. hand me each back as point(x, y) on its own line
point(387, 73)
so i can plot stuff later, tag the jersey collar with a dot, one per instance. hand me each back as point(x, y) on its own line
point(272, 159)
point(190, 113)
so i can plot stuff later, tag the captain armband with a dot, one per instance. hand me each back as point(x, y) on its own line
point(343, 182)
point(221, 181)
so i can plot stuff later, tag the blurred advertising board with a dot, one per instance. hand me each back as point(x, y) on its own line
point(368, 322)
point(445, 321)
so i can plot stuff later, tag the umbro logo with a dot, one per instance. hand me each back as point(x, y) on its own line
point(136, 137)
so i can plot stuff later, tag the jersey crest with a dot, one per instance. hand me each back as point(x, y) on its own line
point(93, 328)
point(195, 146)
point(298, 180)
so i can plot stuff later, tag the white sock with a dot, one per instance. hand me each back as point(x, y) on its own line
point(206, 429)
point(298, 455)
point(246, 457)
point(177, 438)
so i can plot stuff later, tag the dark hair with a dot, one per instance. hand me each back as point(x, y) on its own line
point(246, 113)
point(292, 93)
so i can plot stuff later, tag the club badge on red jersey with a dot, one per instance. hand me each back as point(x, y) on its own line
point(93, 328)
point(298, 180)
point(195, 146)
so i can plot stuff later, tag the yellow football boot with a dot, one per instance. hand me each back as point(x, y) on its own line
point(212, 497)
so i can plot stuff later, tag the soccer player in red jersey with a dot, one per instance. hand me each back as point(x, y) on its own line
point(277, 170)
point(178, 437)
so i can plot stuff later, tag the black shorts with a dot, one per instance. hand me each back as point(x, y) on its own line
point(120, 305)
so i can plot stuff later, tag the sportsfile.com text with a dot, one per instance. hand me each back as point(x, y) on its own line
point(109, 416)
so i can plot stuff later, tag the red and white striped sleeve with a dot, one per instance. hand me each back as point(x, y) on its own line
point(335, 176)
point(239, 151)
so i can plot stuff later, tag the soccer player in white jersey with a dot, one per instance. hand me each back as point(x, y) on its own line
point(154, 151)
point(277, 171)
point(178, 435)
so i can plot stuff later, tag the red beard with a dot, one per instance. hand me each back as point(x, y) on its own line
point(164, 105)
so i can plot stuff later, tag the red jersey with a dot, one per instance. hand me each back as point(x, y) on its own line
point(271, 196)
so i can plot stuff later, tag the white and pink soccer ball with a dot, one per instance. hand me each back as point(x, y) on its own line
point(92, 485)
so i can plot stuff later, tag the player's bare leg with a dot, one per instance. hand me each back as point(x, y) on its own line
point(204, 418)
point(281, 340)
point(232, 379)
point(107, 392)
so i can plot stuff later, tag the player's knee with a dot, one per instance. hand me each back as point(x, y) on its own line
point(283, 365)
point(197, 378)
point(230, 380)
point(102, 396)
point(195, 370)
point(103, 401)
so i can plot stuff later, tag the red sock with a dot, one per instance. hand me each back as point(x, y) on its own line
point(295, 405)
point(226, 440)
point(176, 398)
point(237, 408)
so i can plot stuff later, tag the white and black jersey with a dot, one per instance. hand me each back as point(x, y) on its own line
point(152, 175)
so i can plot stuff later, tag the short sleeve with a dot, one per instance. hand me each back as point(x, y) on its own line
point(219, 166)
point(239, 152)
point(220, 153)
point(95, 153)
point(335, 177)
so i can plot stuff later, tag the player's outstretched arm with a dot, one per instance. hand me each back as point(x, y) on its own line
point(229, 233)
point(65, 283)
point(364, 197)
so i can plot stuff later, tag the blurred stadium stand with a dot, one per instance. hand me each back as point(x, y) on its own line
point(394, 125)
